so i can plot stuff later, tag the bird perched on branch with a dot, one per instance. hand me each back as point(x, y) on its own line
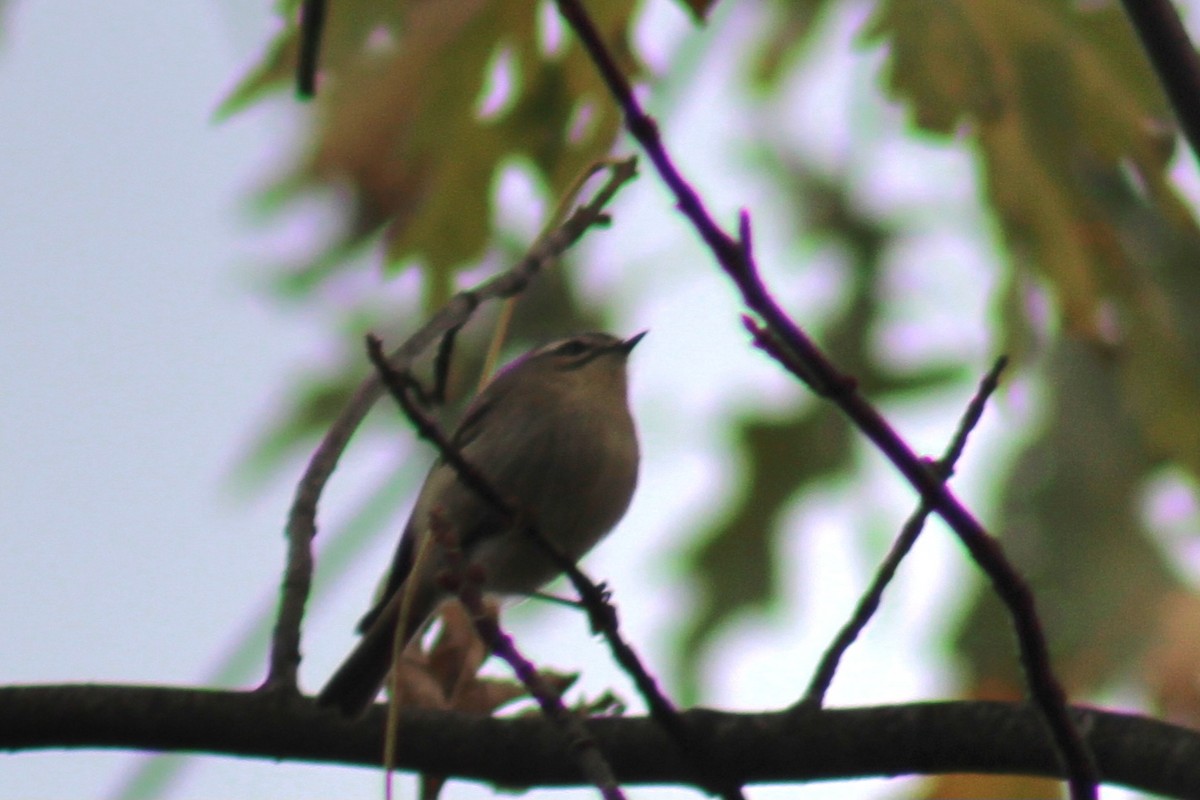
point(552, 435)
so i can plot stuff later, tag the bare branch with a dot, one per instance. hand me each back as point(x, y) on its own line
point(869, 602)
point(923, 738)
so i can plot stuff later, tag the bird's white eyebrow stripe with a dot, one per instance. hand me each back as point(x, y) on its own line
point(596, 346)
point(584, 358)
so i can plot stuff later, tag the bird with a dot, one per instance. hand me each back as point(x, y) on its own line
point(551, 433)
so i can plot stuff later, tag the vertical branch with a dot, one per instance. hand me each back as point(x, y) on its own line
point(312, 25)
point(441, 367)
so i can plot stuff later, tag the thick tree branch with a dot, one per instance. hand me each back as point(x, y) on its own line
point(923, 738)
point(302, 518)
point(783, 339)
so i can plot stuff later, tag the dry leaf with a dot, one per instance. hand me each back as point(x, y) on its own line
point(1171, 668)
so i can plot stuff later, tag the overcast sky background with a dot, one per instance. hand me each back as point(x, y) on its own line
point(141, 356)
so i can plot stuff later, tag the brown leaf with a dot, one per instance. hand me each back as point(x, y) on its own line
point(1171, 668)
point(401, 130)
point(446, 677)
point(966, 786)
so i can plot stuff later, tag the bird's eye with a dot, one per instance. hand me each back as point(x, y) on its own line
point(571, 348)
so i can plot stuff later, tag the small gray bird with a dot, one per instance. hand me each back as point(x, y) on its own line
point(553, 433)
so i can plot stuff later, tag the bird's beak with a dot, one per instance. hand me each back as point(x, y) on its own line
point(630, 343)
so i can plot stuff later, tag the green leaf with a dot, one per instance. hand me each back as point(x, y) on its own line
point(788, 37)
point(1047, 91)
point(1069, 520)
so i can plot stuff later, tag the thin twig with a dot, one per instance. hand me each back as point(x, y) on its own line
point(301, 524)
point(402, 386)
point(801, 356)
point(441, 366)
point(312, 25)
point(1174, 58)
point(814, 696)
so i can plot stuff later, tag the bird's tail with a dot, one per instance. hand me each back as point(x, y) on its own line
point(356, 683)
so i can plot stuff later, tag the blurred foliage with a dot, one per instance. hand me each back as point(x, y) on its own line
point(787, 38)
point(545, 310)
point(1072, 140)
point(400, 131)
point(1065, 112)
point(698, 8)
point(1070, 519)
point(419, 105)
